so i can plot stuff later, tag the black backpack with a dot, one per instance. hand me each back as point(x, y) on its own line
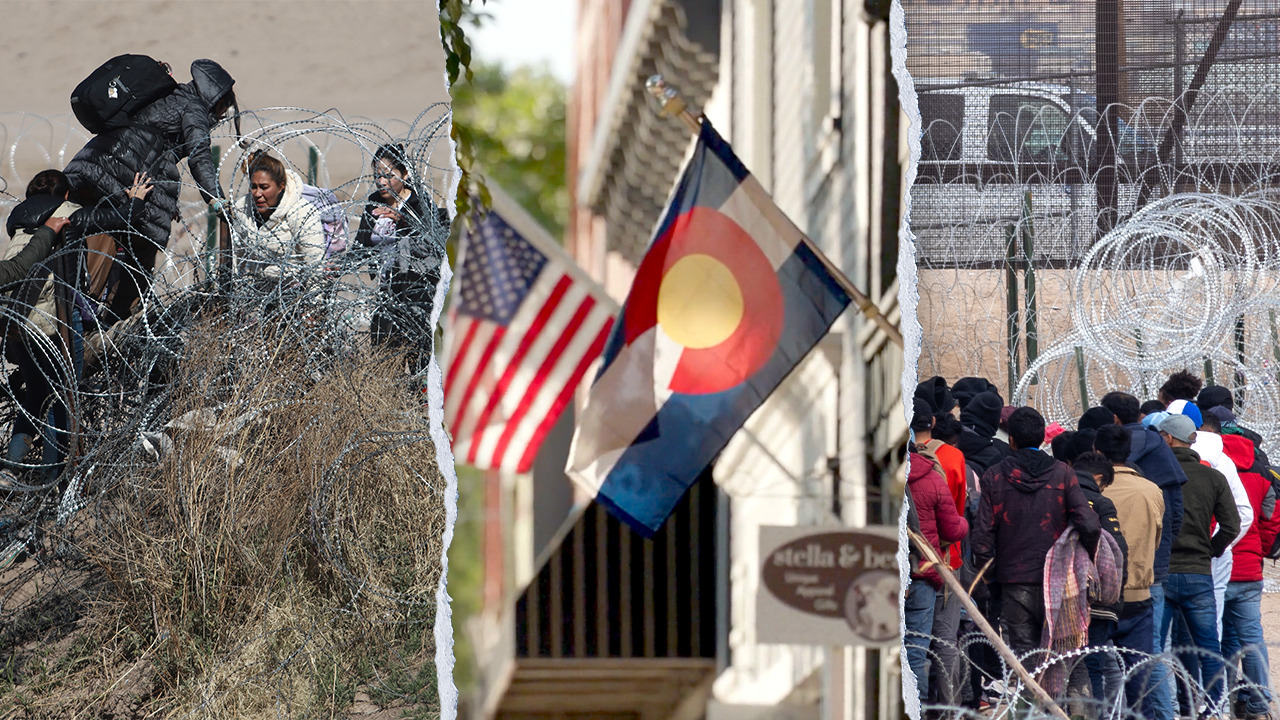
point(122, 86)
point(1269, 503)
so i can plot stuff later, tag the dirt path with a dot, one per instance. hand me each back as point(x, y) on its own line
point(1271, 630)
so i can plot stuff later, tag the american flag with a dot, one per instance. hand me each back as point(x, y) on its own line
point(527, 324)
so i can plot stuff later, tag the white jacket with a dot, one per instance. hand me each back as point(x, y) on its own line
point(1209, 447)
point(287, 242)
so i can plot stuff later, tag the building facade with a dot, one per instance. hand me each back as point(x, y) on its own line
point(606, 624)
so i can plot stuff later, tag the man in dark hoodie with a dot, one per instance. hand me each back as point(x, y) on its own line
point(980, 419)
point(1153, 459)
point(1027, 501)
point(1139, 508)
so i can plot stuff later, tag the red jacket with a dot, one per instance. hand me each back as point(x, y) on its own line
point(939, 521)
point(955, 471)
point(1246, 564)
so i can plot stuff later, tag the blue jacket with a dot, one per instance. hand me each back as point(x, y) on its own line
point(1156, 462)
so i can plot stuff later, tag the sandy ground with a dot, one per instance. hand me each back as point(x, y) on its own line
point(368, 60)
point(378, 60)
point(1271, 630)
point(381, 59)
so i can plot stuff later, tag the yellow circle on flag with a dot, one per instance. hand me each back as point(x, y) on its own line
point(699, 303)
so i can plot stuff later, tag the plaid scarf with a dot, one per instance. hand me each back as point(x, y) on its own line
point(1068, 573)
point(1108, 562)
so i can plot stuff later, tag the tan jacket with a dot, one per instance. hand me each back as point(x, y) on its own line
point(1140, 509)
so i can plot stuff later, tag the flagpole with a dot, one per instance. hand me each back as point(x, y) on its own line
point(673, 105)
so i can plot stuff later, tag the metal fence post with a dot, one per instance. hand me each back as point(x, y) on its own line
point(1029, 281)
point(1011, 304)
point(211, 234)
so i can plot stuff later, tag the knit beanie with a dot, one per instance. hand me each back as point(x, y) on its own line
point(967, 388)
point(1096, 417)
point(935, 392)
point(1215, 396)
point(921, 416)
point(982, 414)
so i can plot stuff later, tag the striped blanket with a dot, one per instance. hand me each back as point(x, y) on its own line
point(1068, 573)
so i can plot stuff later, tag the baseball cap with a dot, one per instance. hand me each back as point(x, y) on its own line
point(1180, 427)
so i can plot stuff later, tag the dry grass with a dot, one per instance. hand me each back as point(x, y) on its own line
point(280, 557)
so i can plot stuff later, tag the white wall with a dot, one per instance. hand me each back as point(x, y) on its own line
point(769, 106)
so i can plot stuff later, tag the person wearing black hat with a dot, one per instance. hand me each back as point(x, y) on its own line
point(1213, 396)
point(980, 419)
point(935, 392)
point(968, 388)
point(1027, 501)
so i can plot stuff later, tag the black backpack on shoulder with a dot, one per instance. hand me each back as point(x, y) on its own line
point(122, 86)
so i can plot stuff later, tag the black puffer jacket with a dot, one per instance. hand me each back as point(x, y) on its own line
point(981, 453)
point(417, 248)
point(34, 211)
point(163, 133)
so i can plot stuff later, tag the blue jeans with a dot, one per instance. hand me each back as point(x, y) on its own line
point(1133, 639)
point(1190, 598)
point(944, 673)
point(918, 612)
point(1242, 631)
point(1104, 676)
point(1161, 691)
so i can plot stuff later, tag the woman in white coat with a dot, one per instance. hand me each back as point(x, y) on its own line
point(280, 231)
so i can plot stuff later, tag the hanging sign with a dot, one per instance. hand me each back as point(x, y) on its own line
point(828, 586)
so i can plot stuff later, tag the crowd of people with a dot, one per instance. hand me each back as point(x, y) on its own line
point(1139, 534)
point(85, 240)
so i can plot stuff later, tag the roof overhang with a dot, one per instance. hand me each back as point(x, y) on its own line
point(635, 153)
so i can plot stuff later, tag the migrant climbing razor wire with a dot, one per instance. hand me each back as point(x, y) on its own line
point(245, 515)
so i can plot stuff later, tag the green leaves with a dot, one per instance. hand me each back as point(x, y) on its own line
point(513, 126)
point(454, 14)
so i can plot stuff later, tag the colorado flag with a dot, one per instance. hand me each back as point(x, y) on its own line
point(727, 301)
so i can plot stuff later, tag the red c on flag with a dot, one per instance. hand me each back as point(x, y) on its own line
point(714, 293)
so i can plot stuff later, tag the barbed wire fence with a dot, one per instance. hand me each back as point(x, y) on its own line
point(1096, 207)
point(244, 515)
